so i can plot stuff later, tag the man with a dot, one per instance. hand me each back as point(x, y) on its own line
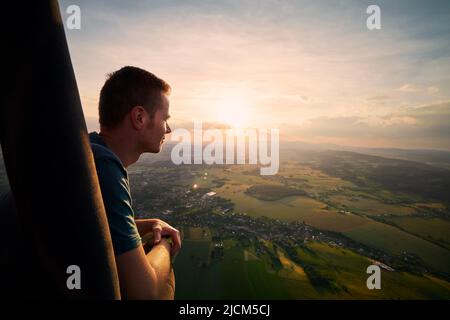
point(133, 110)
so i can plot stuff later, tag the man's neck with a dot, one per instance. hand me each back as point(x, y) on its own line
point(121, 145)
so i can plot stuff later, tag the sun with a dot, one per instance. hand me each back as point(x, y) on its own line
point(233, 109)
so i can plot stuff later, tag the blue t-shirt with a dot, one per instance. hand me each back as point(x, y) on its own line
point(115, 187)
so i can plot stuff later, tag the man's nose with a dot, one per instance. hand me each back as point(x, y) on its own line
point(168, 130)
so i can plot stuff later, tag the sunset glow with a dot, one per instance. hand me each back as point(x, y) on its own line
point(233, 109)
point(311, 67)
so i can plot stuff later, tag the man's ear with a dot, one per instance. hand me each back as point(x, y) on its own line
point(138, 117)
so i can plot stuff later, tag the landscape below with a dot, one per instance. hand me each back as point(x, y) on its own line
point(309, 232)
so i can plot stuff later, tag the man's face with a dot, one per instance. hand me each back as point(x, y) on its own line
point(157, 127)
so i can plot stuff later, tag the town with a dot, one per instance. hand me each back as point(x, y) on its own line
point(201, 207)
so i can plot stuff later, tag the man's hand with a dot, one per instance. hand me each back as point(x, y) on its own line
point(160, 229)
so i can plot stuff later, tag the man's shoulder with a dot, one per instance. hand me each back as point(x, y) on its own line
point(100, 151)
point(103, 156)
point(107, 165)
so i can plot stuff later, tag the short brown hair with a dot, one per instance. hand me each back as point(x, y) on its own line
point(126, 88)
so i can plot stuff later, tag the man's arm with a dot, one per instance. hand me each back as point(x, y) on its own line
point(148, 276)
point(141, 276)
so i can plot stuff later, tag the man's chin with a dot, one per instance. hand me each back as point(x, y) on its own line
point(156, 149)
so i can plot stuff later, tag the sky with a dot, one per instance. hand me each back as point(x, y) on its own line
point(310, 68)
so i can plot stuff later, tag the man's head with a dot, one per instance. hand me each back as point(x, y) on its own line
point(135, 101)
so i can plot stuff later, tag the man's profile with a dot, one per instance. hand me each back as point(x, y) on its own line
point(133, 115)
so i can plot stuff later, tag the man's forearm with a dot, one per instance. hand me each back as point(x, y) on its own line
point(159, 259)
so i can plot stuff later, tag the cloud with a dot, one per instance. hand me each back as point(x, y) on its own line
point(414, 127)
point(432, 90)
point(408, 88)
point(387, 121)
point(378, 98)
point(414, 88)
point(294, 97)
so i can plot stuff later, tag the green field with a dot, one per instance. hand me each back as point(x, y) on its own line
point(395, 241)
point(310, 179)
point(346, 272)
point(271, 192)
point(433, 229)
point(332, 273)
point(193, 279)
point(371, 206)
point(288, 208)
